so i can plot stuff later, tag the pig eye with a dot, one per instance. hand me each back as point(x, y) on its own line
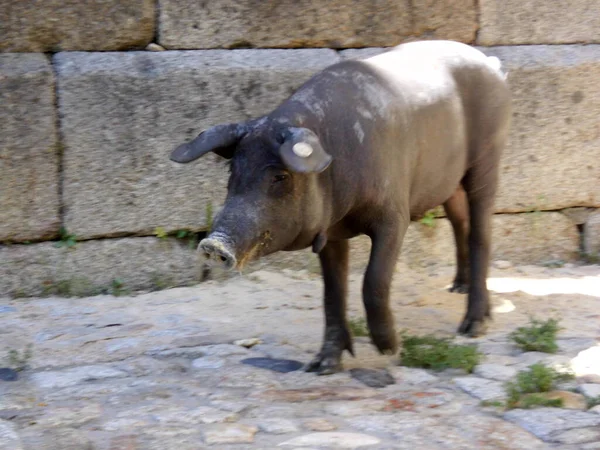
point(280, 177)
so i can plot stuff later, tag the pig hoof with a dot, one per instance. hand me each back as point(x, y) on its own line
point(473, 327)
point(459, 287)
point(386, 342)
point(324, 365)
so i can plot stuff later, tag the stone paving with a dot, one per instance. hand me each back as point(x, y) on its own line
point(163, 370)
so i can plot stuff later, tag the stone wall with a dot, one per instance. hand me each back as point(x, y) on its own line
point(95, 95)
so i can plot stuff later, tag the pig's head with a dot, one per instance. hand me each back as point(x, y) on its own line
point(275, 198)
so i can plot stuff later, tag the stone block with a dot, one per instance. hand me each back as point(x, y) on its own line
point(591, 236)
point(506, 22)
point(123, 113)
point(552, 159)
point(29, 153)
point(150, 263)
point(518, 238)
point(306, 23)
point(92, 267)
point(57, 25)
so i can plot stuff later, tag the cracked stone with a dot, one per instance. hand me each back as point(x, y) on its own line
point(230, 434)
point(332, 439)
point(482, 388)
point(70, 377)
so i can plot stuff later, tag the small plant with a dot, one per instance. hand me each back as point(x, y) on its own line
point(209, 216)
point(160, 233)
point(536, 379)
point(66, 239)
point(538, 336)
point(19, 361)
point(358, 326)
point(117, 288)
point(430, 352)
point(591, 402)
point(492, 403)
point(428, 219)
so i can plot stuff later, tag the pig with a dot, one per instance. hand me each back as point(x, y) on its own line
point(366, 147)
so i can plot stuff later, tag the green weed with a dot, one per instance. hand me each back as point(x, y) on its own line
point(19, 361)
point(430, 352)
point(539, 336)
point(66, 239)
point(535, 379)
point(358, 326)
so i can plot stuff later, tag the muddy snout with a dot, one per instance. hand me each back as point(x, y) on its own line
point(218, 252)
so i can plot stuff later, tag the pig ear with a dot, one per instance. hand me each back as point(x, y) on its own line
point(302, 152)
point(220, 139)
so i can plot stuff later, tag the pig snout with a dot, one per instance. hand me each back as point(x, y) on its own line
point(217, 250)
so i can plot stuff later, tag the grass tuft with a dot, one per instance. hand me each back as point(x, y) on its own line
point(536, 379)
point(358, 326)
point(430, 352)
point(539, 336)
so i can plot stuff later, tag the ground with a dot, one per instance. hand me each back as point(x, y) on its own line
point(162, 370)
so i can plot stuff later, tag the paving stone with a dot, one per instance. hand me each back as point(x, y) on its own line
point(495, 372)
point(538, 22)
point(319, 425)
point(230, 434)
point(409, 375)
point(355, 408)
point(590, 390)
point(70, 416)
point(8, 374)
point(9, 439)
point(56, 439)
point(332, 439)
point(546, 422)
point(71, 377)
point(577, 436)
point(199, 415)
point(277, 426)
point(482, 388)
point(248, 343)
point(185, 24)
point(30, 26)
point(29, 176)
point(316, 393)
point(277, 365)
point(376, 378)
point(208, 362)
point(137, 107)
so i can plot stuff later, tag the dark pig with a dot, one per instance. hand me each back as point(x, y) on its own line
point(364, 147)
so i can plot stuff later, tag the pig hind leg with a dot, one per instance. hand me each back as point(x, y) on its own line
point(480, 185)
point(334, 264)
point(457, 210)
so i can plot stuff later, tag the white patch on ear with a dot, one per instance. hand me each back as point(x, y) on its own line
point(302, 149)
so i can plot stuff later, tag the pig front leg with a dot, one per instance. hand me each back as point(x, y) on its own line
point(386, 242)
point(334, 264)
